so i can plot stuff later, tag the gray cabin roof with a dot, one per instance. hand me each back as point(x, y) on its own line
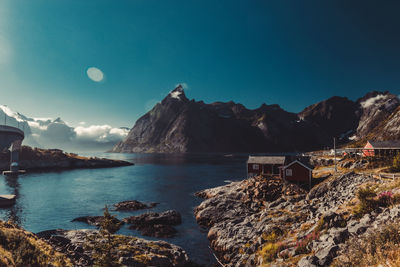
point(267, 160)
point(385, 144)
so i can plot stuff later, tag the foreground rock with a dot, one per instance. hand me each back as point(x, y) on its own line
point(80, 247)
point(95, 220)
point(155, 224)
point(132, 205)
point(266, 222)
point(55, 159)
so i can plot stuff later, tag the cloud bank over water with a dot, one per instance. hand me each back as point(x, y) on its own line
point(56, 133)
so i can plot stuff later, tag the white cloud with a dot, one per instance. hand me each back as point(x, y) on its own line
point(371, 101)
point(100, 133)
point(95, 74)
point(37, 126)
point(10, 113)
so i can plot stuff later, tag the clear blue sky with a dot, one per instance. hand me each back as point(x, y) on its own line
point(293, 53)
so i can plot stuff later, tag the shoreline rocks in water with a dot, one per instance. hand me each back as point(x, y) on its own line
point(37, 159)
point(155, 224)
point(95, 220)
point(132, 205)
point(80, 247)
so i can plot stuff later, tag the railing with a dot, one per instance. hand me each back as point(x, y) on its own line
point(19, 124)
point(381, 176)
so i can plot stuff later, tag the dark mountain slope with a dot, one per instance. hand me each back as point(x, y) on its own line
point(178, 125)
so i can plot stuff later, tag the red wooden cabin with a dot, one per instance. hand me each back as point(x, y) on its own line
point(381, 148)
point(265, 165)
point(298, 172)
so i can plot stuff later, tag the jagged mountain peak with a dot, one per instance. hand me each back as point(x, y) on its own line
point(178, 93)
point(373, 94)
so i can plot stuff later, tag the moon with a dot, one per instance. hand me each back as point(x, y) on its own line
point(95, 74)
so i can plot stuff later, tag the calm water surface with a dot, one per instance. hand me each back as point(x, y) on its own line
point(51, 200)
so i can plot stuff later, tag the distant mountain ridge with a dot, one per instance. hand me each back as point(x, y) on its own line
point(179, 125)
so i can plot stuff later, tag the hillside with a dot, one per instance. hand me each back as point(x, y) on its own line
point(351, 219)
point(179, 125)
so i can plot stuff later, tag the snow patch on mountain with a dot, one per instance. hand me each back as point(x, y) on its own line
point(372, 101)
point(176, 94)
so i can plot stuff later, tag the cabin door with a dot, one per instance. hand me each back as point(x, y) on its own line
point(275, 169)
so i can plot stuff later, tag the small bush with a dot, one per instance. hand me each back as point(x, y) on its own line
point(270, 251)
point(302, 245)
point(385, 198)
point(367, 202)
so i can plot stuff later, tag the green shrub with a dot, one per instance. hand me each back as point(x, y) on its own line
point(104, 251)
point(396, 163)
point(368, 203)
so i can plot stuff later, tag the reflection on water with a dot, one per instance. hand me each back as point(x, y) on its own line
point(13, 212)
point(51, 200)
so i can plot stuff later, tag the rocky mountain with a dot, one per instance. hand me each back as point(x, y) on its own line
point(178, 124)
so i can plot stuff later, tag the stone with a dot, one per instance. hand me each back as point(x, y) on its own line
point(155, 224)
point(326, 255)
point(308, 261)
point(132, 205)
point(339, 235)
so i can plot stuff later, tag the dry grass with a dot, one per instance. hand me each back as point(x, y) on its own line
point(380, 248)
point(21, 248)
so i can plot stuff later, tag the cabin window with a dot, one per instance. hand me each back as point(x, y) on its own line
point(289, 172)
point(256, 166)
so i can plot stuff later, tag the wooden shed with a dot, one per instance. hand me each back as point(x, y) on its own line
point(265, 165)
point(298, 172)
point(381, 148)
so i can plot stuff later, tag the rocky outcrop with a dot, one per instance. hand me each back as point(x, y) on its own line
point(155, 224)
point(277, 227)
point(131, 205)
point(80, 247)
point(55, 159)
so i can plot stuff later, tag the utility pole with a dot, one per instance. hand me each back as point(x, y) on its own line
point(334, 149)
point(5, 118)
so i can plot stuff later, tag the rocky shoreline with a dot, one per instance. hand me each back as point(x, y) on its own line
point(259, 222)
point(36, 159)
point(80, 248)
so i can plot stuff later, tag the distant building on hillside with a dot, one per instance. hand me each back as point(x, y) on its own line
point(381, 148)
point(265, 165)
